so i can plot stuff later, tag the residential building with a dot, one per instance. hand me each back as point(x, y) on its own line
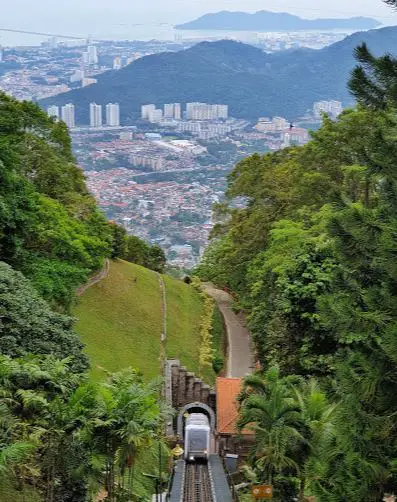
point(77, 76)
point(155, 115)
point(113, 114)
point(172, 111)
point(68, 115)
point(126, 136)
point(177, 111)
point(205, 111)
point(117, 63)
point(277, 124)
point(333, 108)
point(193, 127)
point(95, 115)
point(146, 110)
point(88, 81)
point(53, 111)
point(280, 123)
point(295, 136)
point(153, 163)
point(92, 55)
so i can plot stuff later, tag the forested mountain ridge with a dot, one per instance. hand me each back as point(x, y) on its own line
point(251, 82)
point(311, 258)
point(272, 21)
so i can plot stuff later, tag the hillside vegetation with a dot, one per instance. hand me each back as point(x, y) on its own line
point(312, 259)
point(250, 81)
point(120, 322)
point(63, 437)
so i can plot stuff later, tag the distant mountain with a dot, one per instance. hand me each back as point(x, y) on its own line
point(250, 81)
point(273, 21)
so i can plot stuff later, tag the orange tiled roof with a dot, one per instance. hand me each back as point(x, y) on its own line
point(227, 390)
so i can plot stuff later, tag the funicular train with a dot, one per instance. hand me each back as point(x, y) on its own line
point(197, 437)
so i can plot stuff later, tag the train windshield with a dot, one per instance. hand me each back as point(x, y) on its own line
point(197, 440)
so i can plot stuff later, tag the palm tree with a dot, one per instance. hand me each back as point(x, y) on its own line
point(319, 418)
point(269, 409)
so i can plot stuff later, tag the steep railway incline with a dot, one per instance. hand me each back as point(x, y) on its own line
point(195, 482)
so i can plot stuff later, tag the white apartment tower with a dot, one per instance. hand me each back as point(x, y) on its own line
point(205, 111)
point(68, 115)
point(53, 111)
point(146, 110)
point(113, 114)
point(155, 115)
point(117, 63)
point(172, 111)
point(333, 108)
point(77, 76)
point(177, 111)
point(92, 55)
point(95, 115)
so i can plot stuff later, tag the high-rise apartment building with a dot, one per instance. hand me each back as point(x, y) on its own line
point(222, 111)
point(205, 111)
point(177, 111)
point(77, 76)
point(53, 111)
point(155, 115)
point(92, 55)
point(146, 110)
point(113, 114)
point(172, 111)
point(95, 115)
point(333, 108)
point(68, 115)
point(117, 63)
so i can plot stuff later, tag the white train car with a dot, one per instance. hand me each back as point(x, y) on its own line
point(197, 437)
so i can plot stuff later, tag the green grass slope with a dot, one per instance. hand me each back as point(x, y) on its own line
point(185, 310)
point(119, 320)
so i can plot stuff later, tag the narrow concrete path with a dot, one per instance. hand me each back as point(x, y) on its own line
point(240, 357)
point(163, 335)
point(102, 274)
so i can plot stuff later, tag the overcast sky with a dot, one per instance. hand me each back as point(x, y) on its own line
point(96, 16)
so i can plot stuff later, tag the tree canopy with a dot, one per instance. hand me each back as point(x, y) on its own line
point(307, 240)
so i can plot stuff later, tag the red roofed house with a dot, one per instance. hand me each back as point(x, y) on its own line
point(227, 391)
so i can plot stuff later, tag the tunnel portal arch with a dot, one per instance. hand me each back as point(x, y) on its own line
point(204, 408)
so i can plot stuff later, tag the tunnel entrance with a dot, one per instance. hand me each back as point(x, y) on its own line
point(196, 407)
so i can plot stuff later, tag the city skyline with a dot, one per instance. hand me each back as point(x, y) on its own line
point(144, 20)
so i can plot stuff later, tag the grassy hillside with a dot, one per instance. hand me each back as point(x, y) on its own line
point(119, 320)
point(183, 323)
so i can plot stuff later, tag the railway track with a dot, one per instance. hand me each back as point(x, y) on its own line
point(197, 485)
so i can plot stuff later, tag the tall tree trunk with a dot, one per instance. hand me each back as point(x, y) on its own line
point(366, 190)
point(302, 490)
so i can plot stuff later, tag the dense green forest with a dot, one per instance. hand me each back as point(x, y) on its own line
point(307, 241)
point(62, 437)
point(50, 227)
